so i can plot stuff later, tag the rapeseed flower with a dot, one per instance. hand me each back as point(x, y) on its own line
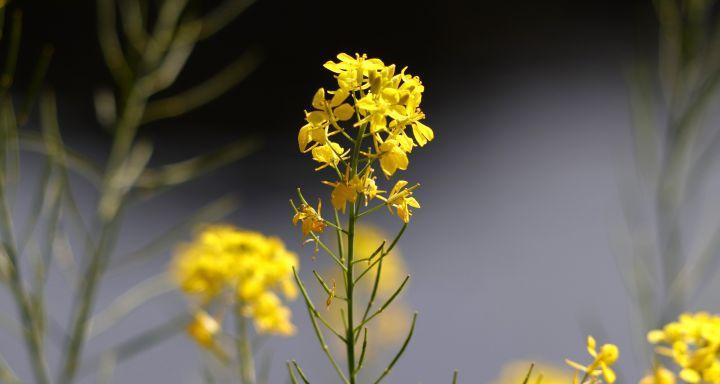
point(401, 199)
point(659, 375)
point(603, 359)
point(693, 343)
point(311, 219)
point(245, 266)
point(203, 329)
point(516, 372)
point(385, 105)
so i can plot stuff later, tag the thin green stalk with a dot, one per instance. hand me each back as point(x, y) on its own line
point(400, 352)
point(349, 288)
point(293, 379)
point(349, 269)
point(87, 290)
point(301, 373)
point(246, 364)
point(363, 349)
point(373, 293)
point(316, 328)
point(6, 373)
point(527, 376)
point(385, 305)
point(31, 334)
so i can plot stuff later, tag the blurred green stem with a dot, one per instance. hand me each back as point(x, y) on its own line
point(31, 333)
point(246, 364)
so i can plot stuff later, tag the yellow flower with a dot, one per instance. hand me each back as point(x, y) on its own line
point(659, 375)
point(386, 103)
point(328, 154)
point(515, 373)
point(401, 199)
point(693, 342)
point(203, 329)
point(343, 192)
point(310, 218)
point(311, 134)
point(422, 133)
point(351, 70)
point(392, 157)
point(603, 359)
point(270, 315)
point(366, 185)
point(246, 265)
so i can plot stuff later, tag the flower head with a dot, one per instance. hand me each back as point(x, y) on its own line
point(602, 360)
point(693, 342)
point(243, 265)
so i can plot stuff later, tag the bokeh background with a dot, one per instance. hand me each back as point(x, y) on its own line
point(513, 255)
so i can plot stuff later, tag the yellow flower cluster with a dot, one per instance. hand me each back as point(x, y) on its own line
point(693, 342)
point(603, 359)
point(385, 106)
point(244, 266)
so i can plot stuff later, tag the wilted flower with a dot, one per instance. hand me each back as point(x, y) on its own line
point(312, 221)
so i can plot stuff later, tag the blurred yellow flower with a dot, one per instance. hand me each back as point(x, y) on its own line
point(693, 342)
point(244, 265)
point(659, 375)
point(515, 373)
point(602, 360)
point(203, 329)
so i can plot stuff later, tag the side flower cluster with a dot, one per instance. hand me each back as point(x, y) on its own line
point(693, 343)
point(245, 268)
point(373, 105)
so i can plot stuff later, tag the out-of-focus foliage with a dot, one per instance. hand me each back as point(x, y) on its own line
point(145, 46)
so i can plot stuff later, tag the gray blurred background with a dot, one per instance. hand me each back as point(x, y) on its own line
point(512, 255)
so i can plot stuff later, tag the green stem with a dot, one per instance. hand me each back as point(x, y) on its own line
point(246, 364)
point(87, 290)
point(350, 286)
point(31, 333)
